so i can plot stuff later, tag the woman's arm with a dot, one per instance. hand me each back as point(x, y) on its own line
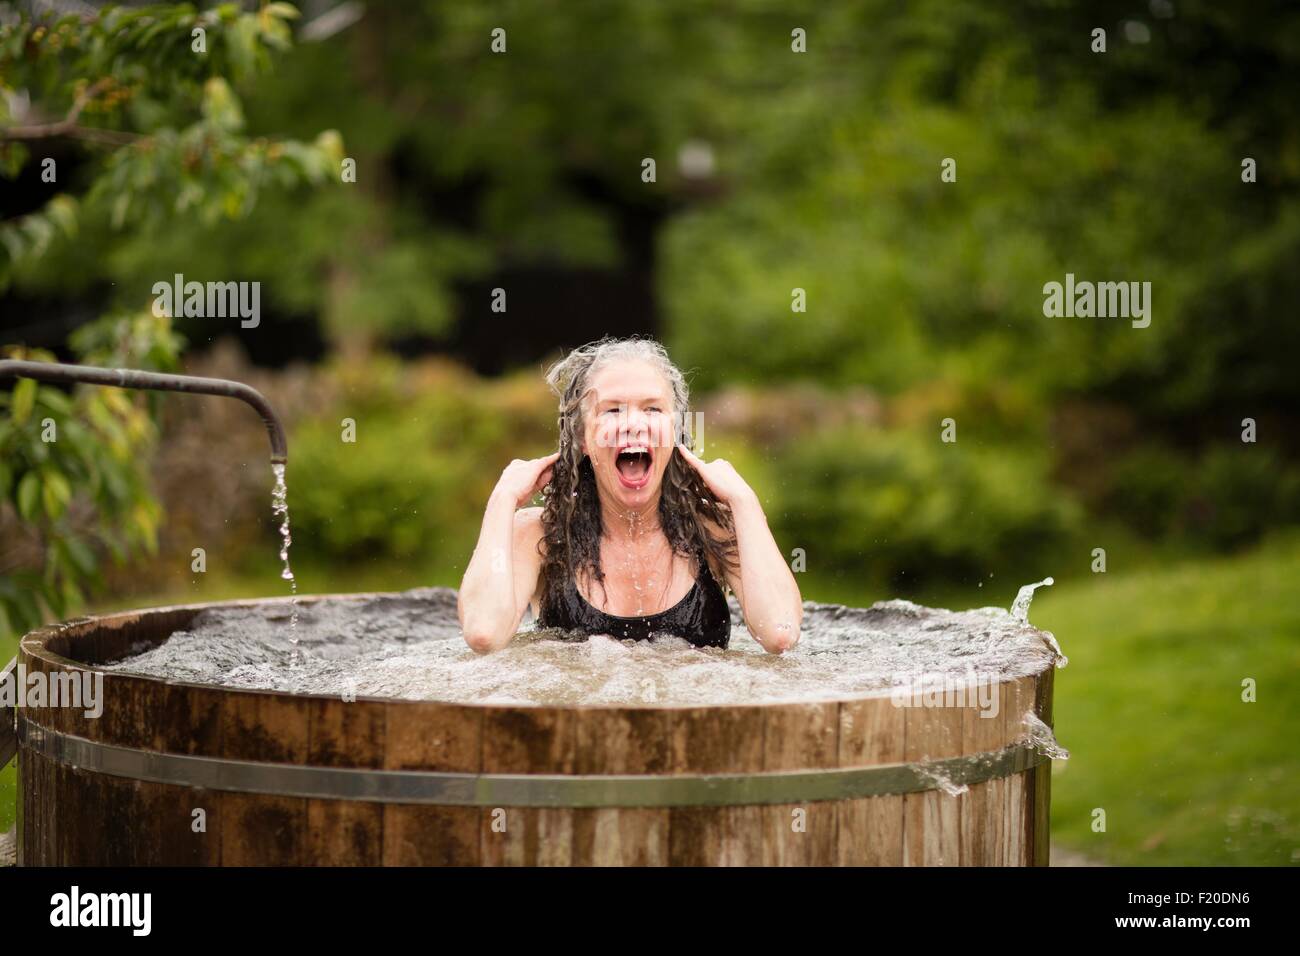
point(765, 585)
point(502, 573)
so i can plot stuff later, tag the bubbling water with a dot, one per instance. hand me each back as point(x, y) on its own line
point(409, 646)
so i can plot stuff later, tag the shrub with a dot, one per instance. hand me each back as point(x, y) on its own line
point(418, 475)
point(1239, 492)
point(1148, 490)
point(878, 504)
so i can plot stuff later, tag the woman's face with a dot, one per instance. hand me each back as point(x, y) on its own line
point(628, 431)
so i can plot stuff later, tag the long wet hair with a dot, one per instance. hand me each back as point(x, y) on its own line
point(691, 519)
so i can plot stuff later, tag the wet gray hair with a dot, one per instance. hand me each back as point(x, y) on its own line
point(570, 379)
point(692, 521)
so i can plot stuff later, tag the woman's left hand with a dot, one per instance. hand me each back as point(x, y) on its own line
point(719, 476)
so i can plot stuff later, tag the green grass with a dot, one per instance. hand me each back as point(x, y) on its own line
point(1150, 705)
point(9, 774)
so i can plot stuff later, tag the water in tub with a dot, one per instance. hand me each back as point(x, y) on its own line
point(408, 645)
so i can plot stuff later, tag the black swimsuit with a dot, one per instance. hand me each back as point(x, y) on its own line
point(702, 617)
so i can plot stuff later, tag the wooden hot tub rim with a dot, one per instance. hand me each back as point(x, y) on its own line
point(118, 744)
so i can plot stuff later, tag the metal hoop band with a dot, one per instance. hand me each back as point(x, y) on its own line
point(522, 790)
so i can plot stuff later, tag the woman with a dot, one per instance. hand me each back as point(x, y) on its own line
point(638, 535)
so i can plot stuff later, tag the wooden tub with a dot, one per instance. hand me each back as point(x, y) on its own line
point(178, 773)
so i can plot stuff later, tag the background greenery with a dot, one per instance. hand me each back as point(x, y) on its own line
point(924, 299)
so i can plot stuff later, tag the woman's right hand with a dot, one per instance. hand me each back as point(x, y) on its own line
point(523, 478)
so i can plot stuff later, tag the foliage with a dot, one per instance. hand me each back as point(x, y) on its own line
point(136, 74)
point(1225, 497)
point(152, 89)
point(875, 505)
point(1242, 493)
point(70, 470)
point(428, 449)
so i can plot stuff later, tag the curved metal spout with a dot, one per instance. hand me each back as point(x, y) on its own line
point(130, 378)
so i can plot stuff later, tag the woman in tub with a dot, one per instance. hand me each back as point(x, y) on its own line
point(638, 536)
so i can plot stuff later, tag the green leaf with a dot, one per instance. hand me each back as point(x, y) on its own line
point(120, 206)
point(285, 11)
point(72, 596)
point(23, 400)
point(221, 106)
point(56, 493)
point(53, 596)
point(62, 212)
point(55, 400)
point(78, 554)
point(13, 242)
point(12, 158)
point(41, 231)
point(29, 496)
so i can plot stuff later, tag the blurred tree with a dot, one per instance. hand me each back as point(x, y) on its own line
point(817, 170)
point(129, 81)
point(1124, 166)
point(150, 93)
point(522, 167)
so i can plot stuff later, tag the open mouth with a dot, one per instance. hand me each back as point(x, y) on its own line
point(633, 465)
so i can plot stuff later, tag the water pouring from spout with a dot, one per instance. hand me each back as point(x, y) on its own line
point(280, 506)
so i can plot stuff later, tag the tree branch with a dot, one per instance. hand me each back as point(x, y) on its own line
point(68, 127)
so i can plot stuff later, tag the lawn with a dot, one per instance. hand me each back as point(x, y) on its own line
point(1150, 705)
point(1151, 710)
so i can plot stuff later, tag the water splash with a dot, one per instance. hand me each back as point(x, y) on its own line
point(1039, 736)
point(941, 781)
point(280, 506)
point(1020, 611)
point(1020, 606)
point(1050, 638)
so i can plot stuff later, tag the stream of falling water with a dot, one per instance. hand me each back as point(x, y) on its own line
point(280, 506)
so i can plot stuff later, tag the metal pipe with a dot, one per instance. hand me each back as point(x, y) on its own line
point(130, 378)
